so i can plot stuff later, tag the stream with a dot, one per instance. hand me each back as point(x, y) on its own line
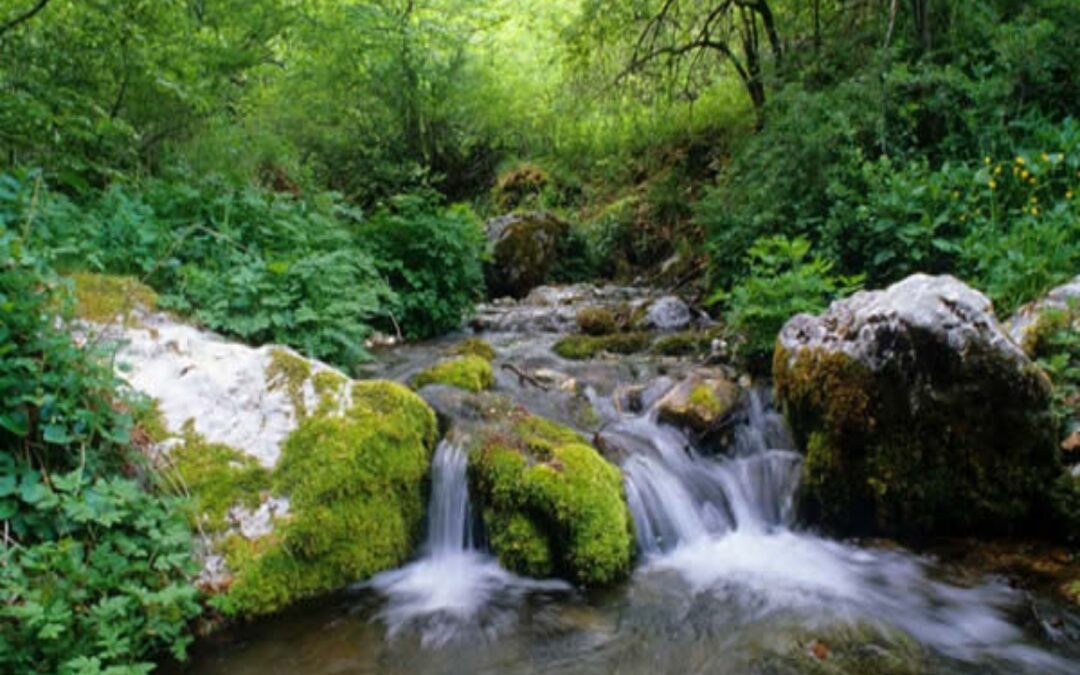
point(727, 581)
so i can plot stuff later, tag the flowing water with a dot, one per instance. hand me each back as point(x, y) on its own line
point(726, 581)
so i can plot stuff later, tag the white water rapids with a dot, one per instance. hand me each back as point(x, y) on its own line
point(723, 527)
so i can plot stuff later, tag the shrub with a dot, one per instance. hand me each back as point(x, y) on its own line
point(432, 257)
point(784, 280)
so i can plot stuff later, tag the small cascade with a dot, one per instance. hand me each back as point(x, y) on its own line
point(677, 496)
point(455, 590)
point(450, 527)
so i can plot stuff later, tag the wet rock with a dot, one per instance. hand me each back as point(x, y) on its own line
point(638, 398)
point(551, 505)
point(525, 246)
point(1024, 323)
point(918, 414)
point(668, 313)
point(700, 403)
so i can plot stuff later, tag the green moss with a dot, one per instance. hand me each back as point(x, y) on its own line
point(948, 444)
point(148, 419)
point(551, 503)
point(288, 373)
point(579, 347)
point(329, 386)
point(596, 321)
point(356, 488)
point(473, 347)
point(705, 399)
point(218, 478)
point(471, 373)
point(102, 298)
point(687, 343)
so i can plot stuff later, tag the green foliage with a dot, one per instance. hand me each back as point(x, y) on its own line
point(784, 279)
point(94, 568)
point(106, 590)
point(432, 258)
point(1056, 346)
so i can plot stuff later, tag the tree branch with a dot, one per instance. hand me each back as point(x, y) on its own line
point(23, 18)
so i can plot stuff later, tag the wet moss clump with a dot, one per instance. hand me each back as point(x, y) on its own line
point(473, 347)
point(580, 347)
point(551, 504)
point(355, 484)
point(288, 373)
point(938, 443)
point(596, 321)
point(471, 373)
point(103, 298)
point(687, 343)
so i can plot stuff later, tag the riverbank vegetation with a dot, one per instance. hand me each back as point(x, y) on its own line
point(308, 172)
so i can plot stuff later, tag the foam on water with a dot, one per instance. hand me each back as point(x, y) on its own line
point(454, 590)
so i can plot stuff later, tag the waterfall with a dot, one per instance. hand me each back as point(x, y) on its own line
point(450, 526)
point(677, 496)
point(454, 591)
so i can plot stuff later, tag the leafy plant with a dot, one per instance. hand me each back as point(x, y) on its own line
point(432, 258)
point(784, 280)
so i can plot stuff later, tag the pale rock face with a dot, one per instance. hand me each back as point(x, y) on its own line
point(668, 313)
point(940, 306)
point(1027, 316)
point(222, 386)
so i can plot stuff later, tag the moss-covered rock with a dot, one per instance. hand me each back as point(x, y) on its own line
point(687, 343)
point(551, 504)
point(580, 347)
point(473, 346)
point(104, 298)
point(520, 186)
point(596, 321)
point(699, 403)
point(917, 414)
point(472, 373)
point(355, 485)
point(525, 248)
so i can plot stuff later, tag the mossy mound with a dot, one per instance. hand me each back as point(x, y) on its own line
point(103, 298)
point(471, 373)
point(551, 504)
point(596, 321)
point(520, 186)
point(686, 343)
point(917, 415)
point(580, 347)
point(473, 347)
point(355, 484)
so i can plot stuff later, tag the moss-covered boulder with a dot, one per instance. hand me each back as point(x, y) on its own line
point(700, 403)
point(1028, 322)
point(551, 505)
point(524, 251)
point(106, 298)
point(918, 415)
point(355, 486)
point(300, 480)
point(472, 373)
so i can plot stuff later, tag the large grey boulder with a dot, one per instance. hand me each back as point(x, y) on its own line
point(917, 412)
point(524, 251)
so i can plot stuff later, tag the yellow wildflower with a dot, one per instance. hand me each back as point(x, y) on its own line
point(1045, 157)
point(987, 160)
point(1020, 160)
point(1069, 194)
point(992, 184)
point(1025, 174)
point(1034, 210)
point(997, 170)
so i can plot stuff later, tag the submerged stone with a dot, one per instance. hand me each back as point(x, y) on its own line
point(917, 413)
